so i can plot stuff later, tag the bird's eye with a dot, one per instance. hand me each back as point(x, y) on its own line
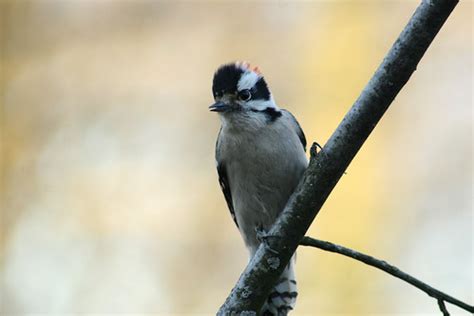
point(245, 95)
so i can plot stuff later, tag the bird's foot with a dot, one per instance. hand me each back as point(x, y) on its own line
point(314, 149)
point(263, 237)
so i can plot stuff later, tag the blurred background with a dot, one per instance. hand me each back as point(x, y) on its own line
point(109, 195)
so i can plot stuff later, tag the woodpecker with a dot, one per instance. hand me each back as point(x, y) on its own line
point(260, 158)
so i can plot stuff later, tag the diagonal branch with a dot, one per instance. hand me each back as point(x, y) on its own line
point(324, 170)
point(390, 269)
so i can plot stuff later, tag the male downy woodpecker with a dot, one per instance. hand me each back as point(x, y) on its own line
point(260, 155)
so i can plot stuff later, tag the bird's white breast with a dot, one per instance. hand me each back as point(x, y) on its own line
point(264, 163)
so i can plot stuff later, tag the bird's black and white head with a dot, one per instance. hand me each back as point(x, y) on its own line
point(240, 93)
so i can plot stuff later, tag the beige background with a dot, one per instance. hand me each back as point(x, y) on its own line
point(109, 196)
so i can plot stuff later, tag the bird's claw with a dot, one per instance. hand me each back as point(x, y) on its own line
point(314, 149)
point(263, 236)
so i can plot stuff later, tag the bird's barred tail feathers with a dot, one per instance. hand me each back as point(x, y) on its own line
point(282, 298)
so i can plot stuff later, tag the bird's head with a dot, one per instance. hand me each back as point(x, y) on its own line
point(240, 89)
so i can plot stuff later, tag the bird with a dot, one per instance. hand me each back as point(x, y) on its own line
point(260, 159)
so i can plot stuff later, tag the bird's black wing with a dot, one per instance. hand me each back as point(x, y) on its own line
point(299, 130)
point(224, 183)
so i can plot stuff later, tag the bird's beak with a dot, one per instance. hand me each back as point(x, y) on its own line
point(219, 107)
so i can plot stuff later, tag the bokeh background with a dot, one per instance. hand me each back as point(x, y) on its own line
point(109, 194)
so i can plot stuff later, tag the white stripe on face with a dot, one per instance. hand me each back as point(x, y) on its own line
point(247, 80)
point(261, 105)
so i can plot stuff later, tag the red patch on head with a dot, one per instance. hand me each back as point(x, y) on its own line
point(245, 65)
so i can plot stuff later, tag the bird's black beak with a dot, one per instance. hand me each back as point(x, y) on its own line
point(219, 107)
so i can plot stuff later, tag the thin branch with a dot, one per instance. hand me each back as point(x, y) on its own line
point(326, 168)
point(442, 307)
point(390, 269)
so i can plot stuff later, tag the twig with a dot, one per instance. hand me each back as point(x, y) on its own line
point(442, 307)
point(390, 269)
point(325, 170)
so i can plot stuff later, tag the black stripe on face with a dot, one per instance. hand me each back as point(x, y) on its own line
point(271, 113)
point(260, 90)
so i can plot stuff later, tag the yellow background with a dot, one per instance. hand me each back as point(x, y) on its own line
point(109, 194)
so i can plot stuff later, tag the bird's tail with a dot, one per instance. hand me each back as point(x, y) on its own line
point(282, 298)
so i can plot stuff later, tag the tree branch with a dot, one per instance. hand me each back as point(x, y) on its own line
point(390, 269)
point(442, 307)
point(326, 168)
